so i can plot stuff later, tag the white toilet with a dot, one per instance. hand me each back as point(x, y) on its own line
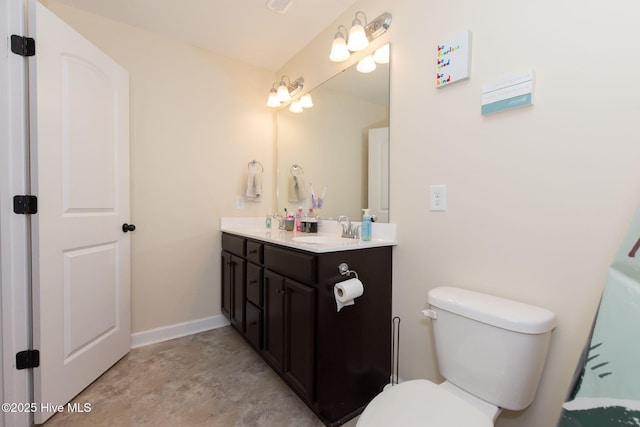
point(491, 352)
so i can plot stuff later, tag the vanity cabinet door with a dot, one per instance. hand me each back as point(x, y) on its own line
point(300, 315)
point(226, 281)
point(273, 345)
point(289, 331)
point(237, 308)
point(233, 268)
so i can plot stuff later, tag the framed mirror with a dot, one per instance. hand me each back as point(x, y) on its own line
point(337, 150)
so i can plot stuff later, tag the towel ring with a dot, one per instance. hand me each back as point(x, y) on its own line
point(296, 170)
point(254, 163)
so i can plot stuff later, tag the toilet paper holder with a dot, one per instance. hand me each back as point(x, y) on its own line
point(343, 268)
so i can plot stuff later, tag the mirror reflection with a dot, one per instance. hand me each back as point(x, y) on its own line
point(337, 153)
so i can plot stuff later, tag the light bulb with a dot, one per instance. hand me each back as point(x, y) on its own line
point(273, 100)
point(306, 101)
point(283, 92)
point(339, 51)
point(381, 55)
point(357, 37)
point(295, 107)
point(366, 64)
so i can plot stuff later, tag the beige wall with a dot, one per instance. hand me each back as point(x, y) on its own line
point(197, 119)
point(538, 198)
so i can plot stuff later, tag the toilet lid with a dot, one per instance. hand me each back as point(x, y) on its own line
point(421, 403)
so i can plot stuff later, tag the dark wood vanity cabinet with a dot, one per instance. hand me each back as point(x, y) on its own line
point(233, 270)
point(335, 361)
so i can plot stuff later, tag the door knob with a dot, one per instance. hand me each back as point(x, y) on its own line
point(128, 227)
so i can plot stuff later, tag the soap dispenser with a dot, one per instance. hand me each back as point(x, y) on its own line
point(365, 228)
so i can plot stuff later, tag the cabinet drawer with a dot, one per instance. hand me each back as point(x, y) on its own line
point(254, 284)
point(233, 244)
point(253, 330)
point(296, 265)
point(254, 252)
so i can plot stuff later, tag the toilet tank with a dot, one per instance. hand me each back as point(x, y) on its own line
point(491, 347)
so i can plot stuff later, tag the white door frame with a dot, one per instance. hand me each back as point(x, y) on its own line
point(14, 246)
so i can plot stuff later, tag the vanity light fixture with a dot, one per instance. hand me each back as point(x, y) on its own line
point(339, 51)
point(286, 90)
point(283, 91)
point(359, 36)
point(273, 100)
point(299, 105)
point(368, 63)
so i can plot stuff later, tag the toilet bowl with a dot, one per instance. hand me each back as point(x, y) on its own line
point(421, 403)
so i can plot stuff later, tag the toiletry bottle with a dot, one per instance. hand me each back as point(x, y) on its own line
point(267, 221)
point(365, 228)
point(299, 219)
point(290, 223)
point(312, 224)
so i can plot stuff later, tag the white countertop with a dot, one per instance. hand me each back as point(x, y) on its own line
point(254, 228)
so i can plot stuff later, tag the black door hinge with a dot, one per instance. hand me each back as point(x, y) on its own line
point(27, 359)
point(25, 205)
point(23, 46)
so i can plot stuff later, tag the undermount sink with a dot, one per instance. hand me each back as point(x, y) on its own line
point(323, 240)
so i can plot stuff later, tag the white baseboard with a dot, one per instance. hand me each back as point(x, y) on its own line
point(165, 333)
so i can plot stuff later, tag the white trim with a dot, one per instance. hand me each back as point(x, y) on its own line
point(165, 333)
point(14, 260)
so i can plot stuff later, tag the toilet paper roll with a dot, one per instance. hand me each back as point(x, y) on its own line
point(345, 292)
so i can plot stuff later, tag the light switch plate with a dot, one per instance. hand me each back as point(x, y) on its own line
point(239, 202)
point(438, 198)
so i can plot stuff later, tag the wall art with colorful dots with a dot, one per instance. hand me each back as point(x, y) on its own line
point(454, 60)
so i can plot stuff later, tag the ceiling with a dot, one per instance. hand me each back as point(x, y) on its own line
point(245, 30)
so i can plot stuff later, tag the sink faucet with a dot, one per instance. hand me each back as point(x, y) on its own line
point(280, 220)
point(348, 230)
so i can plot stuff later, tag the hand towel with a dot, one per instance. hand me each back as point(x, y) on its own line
point(254, 186)
point(297, 189)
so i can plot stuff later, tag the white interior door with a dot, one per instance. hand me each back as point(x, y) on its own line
point(379, 173)
point(80, 170)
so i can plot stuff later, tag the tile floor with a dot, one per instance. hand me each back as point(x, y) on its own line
point(209, 379)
